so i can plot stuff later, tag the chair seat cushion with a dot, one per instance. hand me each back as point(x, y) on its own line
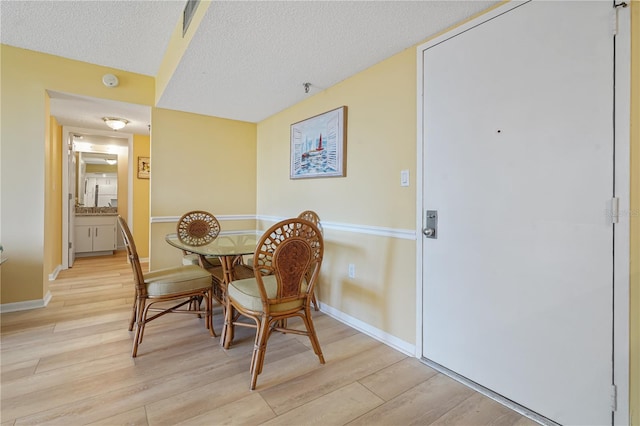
point(176, 280)
point(194, 259)
point(190, 259)
point(246, 293)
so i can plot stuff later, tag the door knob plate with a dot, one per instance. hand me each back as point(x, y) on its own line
point(431, 224)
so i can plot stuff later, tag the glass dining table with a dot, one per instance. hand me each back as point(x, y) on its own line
point(229, 248)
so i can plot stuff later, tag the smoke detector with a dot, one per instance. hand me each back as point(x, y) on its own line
point(110, 80)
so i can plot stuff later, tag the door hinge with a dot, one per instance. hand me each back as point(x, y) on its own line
point(615, 209)
point(614, 16)
point(614, 397)
point(69, 245)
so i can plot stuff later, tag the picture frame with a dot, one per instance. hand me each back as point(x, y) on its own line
point(144, 167)
point(319, 145)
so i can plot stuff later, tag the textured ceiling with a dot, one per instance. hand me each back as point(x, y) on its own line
point(127, 35)
point(248, 59)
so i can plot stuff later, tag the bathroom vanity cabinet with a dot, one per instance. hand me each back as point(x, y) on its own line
point(95, 235)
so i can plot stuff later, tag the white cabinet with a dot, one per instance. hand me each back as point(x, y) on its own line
point(95, 235)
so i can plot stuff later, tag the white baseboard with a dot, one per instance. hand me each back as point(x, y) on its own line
point(54, 274)
point(384, 337)
point(27, 305)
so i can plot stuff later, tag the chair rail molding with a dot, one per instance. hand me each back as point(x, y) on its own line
point(404, 234)
point(172, 219)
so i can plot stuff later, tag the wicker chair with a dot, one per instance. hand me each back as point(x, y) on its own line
point(286, 265)
point(196, 228)
point(184, 284)
point(312, 217)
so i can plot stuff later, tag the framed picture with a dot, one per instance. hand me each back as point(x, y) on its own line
point(319, 145)
point(144, 167)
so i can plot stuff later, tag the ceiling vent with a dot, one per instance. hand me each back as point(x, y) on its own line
point(189, 11)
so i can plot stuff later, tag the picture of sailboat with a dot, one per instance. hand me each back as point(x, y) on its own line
point(318, 149)
point(317, 145)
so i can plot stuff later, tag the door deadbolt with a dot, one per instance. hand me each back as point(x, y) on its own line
point(431, 222)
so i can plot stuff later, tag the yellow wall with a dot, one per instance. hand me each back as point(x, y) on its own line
point(24, 77)
point(199, 163)
point(634, 255)
point(140, 225)
point(381, 141)
point(53, 201)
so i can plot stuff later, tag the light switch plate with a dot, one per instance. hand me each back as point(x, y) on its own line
point(404, 178)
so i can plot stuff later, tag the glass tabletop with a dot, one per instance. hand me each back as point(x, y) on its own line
point(231, 244)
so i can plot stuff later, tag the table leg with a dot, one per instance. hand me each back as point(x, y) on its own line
point(227, 273)
point(229, 265)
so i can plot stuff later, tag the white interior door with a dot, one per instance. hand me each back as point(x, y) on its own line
point(518, 163)
point(71, 158)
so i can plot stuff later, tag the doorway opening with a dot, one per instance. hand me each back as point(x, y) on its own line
point(83, 117)
point(97, 174)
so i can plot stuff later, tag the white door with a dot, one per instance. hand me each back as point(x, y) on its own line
point(71, 159)
point(518, 164)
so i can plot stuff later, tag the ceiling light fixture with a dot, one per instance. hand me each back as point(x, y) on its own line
point(111, 161)
point(115, 123)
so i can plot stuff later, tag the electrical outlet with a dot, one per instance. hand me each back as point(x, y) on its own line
point(352, 270)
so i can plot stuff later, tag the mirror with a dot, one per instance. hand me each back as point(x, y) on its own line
point(97, 179)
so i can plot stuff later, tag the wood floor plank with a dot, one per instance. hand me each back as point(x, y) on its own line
point(420, 405)
point(481, 411)
point(336, 373)
point(327, 329)
point(49, 381)
point(222, 391)
point(72, 344)
point(18, 370)
point(135, 417)
point(124, 390)
point(28, 337)
point(397, 378)
point(57, 395)
point(250, 410)
point(335, 408)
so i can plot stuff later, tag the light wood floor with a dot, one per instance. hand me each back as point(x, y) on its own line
point(70, 364)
